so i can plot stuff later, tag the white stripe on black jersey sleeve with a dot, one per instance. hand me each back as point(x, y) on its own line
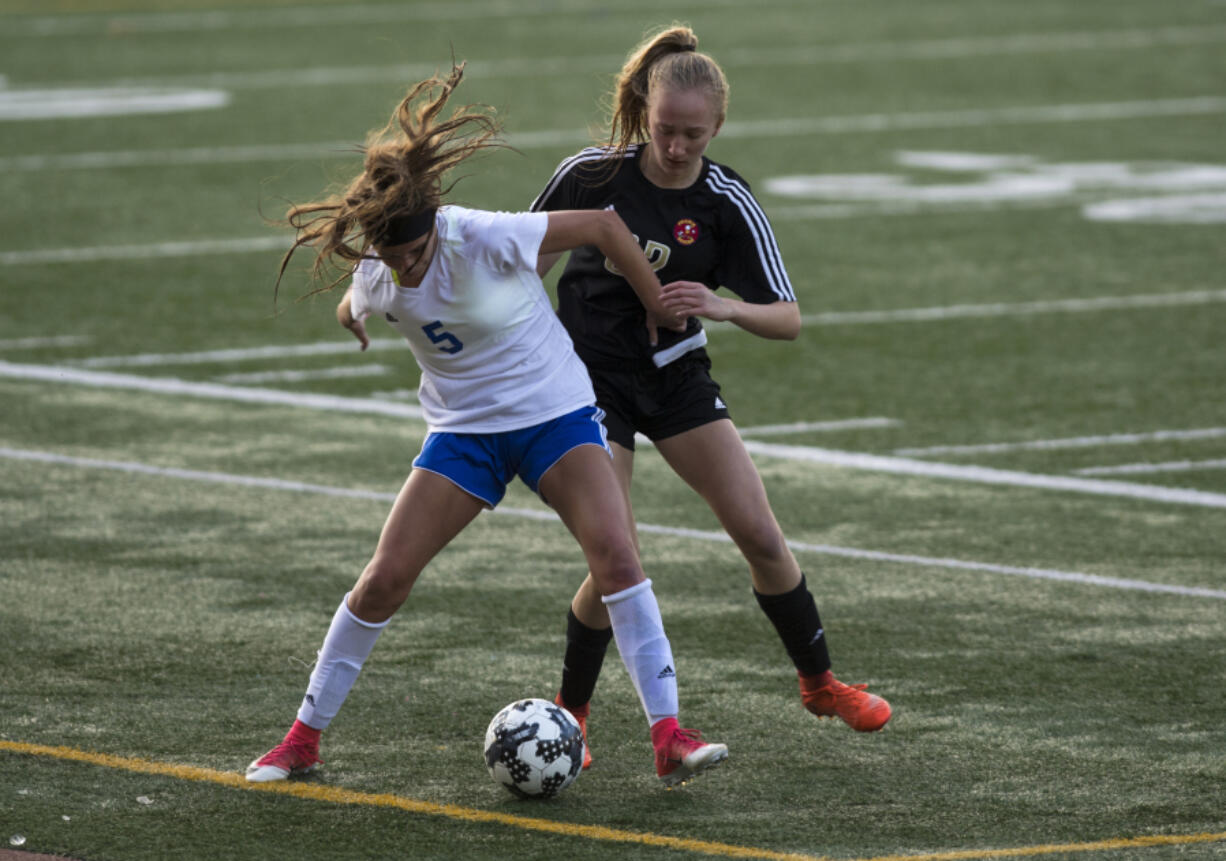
point(584, 156)
point(759, 229)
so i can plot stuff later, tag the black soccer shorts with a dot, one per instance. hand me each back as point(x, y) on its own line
point(661, 402)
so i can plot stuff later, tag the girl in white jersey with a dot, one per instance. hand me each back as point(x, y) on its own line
point(503, 393)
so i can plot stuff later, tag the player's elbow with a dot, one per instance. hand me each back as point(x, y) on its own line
point(607, 224)
point(789, 330)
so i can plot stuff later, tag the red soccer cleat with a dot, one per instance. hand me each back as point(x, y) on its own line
point(287, 758)
point(681, 753)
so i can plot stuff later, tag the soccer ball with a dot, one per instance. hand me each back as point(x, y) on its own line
point(534, 748)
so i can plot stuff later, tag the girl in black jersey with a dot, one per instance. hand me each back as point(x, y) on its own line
point(696, 220)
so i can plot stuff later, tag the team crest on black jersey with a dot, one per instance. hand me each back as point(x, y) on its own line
point(685, 231)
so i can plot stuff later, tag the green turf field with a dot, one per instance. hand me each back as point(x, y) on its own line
point(998, 446)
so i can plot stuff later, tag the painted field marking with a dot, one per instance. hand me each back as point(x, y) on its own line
point(546, 515)
point(35, 343)
point(1141, 468)
point(302, 376)
point(238, 354)
point(973, 117)
point(1019, 44)
point(977, 46)
point(1018, 309)
point(829, 318)
point(829, 457)
point(1108, 845)
point(313, 791)
point(181, 156)
point(987, 475)
point(214, 391)
point(149, 251)
point(1069, 442)
point(1168, 207)
point(357, 14)
point(820, 427)
point(779, 127)
point(55, 103)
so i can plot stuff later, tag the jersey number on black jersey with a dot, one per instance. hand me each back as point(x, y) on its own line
point(657, 256)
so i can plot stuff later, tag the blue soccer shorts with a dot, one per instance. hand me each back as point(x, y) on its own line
point(484, 464)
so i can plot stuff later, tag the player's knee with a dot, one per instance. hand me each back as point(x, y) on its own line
point(614, 564)
point(761, 542)
point(380, 591)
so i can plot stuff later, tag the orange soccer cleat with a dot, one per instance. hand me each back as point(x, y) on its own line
point(580, 715)
point(826, 696)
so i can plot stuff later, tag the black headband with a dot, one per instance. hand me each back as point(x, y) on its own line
point(403, 229)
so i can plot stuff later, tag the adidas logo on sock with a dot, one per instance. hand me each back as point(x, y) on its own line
point(667, 673)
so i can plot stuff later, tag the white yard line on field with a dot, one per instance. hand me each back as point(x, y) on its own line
point(840, 318)
point(779, 127)
point(820, 427)
point(1069, 442)
point(144, 252)
point(35, 343)
point(829, 457)
point(1017, 44)
point(974, 117)
point(343, 14)
point(212, 391)
point(239, 354)
point(1018, 309)
point(549, 516)
point(303, 376)
point(1142, 468)
point(181, 156)
point(986, 475)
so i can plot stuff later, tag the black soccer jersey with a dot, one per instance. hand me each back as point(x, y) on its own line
point(712, 232)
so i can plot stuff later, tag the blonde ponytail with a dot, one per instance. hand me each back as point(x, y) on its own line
point(670, 58)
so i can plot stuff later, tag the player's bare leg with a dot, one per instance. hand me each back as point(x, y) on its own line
point(584, 489)
point(588, 629)
point(713, 460)
point(429, 511)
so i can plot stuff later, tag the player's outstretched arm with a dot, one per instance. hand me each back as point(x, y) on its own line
point(605, 229)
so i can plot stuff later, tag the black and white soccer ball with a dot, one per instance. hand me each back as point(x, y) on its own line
point(534, 748)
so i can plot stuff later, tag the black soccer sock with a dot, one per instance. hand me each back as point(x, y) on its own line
point(794, 615)
point(585, 650)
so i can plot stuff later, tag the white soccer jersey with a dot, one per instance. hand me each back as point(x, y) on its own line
point(493, 355)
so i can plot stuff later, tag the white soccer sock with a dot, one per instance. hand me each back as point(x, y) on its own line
point(345, 649)
point(644, 648)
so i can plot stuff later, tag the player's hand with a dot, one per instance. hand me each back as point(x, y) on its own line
point(691, 299)
point(345, 317)
point(358, 328)
point(672, 322)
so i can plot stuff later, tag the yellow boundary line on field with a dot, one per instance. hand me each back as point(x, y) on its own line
point(337, 795)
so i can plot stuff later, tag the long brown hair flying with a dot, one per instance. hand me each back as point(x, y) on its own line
point(403, 174)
